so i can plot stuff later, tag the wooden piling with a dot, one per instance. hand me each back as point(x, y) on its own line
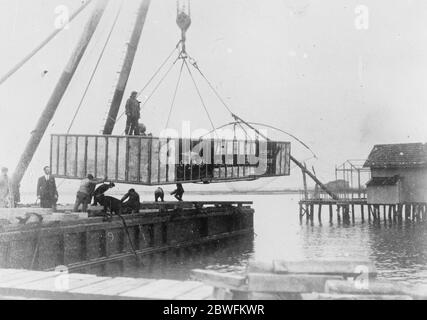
point(320, 214)
point(362, 212)
point(331, 214)
point(407, 212)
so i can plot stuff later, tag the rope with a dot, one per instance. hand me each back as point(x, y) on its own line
point(200, 96)
point(175, 94)
point(158, 70)
point(194, 64)
point(96, 68)
point(154, 76)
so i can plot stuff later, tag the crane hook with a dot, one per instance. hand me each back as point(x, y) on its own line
point(183, 21)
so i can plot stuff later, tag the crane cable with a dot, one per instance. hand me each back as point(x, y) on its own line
point(201, 97)
point(96, 68)
point(194, 64)
point(156, 73)
point(175, 94)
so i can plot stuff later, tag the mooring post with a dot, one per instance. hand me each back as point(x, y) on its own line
point(300, 213)
point(338, 214)
point(320, 214)
point(307, 213)
point(362, 212)
point(369, 212)
point(407, 211)
point(331, 215)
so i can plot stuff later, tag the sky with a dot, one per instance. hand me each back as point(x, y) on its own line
point(341, 75)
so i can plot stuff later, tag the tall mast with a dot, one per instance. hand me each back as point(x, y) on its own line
point(58, 93)
point(127, 67)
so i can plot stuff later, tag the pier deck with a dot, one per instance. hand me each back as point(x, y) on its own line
point(92, 245)
point(24, 284)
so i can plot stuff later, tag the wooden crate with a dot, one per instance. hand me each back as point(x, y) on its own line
point(161, 161)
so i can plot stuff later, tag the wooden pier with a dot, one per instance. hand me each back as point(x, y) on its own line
point(24, 284)
point(92, 245)
point(347, 211)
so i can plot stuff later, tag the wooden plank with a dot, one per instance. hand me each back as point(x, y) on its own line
point(28, 277)
point(348, 268)
point(145, 161)
point(180, 289)
point(113, 287)
point(263, 282)
point(122, 159)
point(6, 274)
point(218, 279)
point(200, 293)
point(74, 281)
point(149, 291)
point(327, 296)
point(376, 288)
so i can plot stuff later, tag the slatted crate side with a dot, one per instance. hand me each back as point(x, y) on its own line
point(122, 163)
point(134, 151)
point(54, 152)
point(62, 155)
point(145, 158)
point(81, 156)
point(71, 156)
point(155, 161)
point(112, 158)
point(101, 151)
point(163, 160)
point(172, 159)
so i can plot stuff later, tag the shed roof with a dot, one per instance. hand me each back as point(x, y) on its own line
point(383, 181)
point(407, 155)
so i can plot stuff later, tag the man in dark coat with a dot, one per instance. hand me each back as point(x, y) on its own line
point(179, 192)
point(133, 204)
point(46, 190)
point(133, 113)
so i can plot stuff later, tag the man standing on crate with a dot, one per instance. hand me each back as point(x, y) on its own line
point(133, 113)
point(46, 190)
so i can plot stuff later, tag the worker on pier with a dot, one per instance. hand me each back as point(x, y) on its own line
point(47, 192)
point(4, 188)
point(159, 194)
point(100, 191)
point(179, 192)
point(133, 203)
point(133, 113)
point(84, 194)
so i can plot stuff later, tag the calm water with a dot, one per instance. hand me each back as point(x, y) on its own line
point(399, 252)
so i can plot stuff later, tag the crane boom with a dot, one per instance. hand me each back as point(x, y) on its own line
point(127, 67)
point(58, 93)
